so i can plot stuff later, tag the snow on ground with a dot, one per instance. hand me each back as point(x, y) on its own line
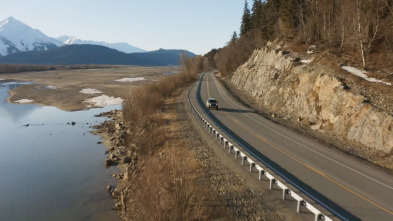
point(24, 101)
point(90, 91)
point(362, 74)
point(311, 49)
point(50, 87)
point(306, 61)
point(131, 79)
point(2, 79)
point(104, 100)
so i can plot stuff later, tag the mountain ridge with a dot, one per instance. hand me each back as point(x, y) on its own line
point(120, 46)
point(95, 54)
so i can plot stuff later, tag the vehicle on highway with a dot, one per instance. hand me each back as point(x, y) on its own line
point(212, 103)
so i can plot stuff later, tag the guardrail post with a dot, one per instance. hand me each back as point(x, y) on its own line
point(236, 153)
point(272, 181)
point(261, 173)
point(317, 217)
point(230, 147)
point(243, 159)
point(299, 204)
point(225, 144)
point(284, 193)
point(251, 166)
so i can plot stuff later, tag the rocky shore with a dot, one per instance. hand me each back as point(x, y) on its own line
point(113, 132)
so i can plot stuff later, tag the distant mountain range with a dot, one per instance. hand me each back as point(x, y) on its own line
point(15, 37)
point(95, 54)
point(120, 46)
point(21, 44)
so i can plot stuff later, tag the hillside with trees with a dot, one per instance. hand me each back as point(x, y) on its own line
point(358, 29)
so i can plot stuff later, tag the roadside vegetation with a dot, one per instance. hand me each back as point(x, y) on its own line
point(357, 30)
point(164, 173)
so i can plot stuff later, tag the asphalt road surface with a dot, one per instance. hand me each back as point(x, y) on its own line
point(346, 188)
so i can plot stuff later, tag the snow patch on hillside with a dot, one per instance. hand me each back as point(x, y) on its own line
point(306, 61)
point(363, 74)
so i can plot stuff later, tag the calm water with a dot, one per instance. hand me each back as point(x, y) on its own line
point(51, 170)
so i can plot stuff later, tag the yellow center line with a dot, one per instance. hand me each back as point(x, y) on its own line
point(301, 162)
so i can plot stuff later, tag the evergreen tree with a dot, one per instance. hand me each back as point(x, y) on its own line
point(257, 16)
point(246, 20)
point(234, 38)
point(288, 13)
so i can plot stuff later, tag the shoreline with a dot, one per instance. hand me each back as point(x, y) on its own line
point(62, 89)
point(63, 140)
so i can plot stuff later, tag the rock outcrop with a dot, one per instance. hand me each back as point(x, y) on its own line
point(293, 87)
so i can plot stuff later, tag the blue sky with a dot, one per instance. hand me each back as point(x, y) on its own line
point(195, 25)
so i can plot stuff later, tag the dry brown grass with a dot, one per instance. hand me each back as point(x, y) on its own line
point(229, 58)
point(166, 189)
point(164, 179)
point(145, 101)
point(143, 109)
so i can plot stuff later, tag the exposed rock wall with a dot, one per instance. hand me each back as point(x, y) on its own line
point(311, 94)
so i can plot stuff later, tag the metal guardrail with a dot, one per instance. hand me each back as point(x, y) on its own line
point(262, 172)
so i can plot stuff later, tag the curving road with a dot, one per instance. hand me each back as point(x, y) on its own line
point(347, 188)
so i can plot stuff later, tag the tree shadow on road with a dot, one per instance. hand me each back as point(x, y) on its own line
point(235, 110)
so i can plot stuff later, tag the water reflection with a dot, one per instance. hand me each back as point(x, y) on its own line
point(10, 111)
point(51, 170)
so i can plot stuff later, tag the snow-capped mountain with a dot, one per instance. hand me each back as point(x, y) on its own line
point(121, 46)
point(16, 36)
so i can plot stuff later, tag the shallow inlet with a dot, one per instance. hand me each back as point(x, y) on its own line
point(50, 168)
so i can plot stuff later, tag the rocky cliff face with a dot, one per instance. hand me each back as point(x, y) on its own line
point(312, 94)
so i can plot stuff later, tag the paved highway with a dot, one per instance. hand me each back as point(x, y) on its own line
point(346, 187)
